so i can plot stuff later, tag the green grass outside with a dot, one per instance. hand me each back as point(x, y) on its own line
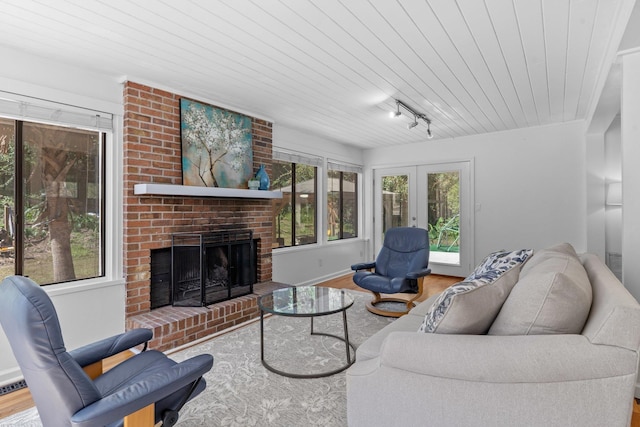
point(444, 248)
point(40, 269)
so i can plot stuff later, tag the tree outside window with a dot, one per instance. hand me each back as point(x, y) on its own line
point(342, 205)
point(51, 227)
point(295, 214)
point(395, 199)
point(444, 211)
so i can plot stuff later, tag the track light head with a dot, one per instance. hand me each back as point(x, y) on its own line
point(412, 125)
point(429, 134)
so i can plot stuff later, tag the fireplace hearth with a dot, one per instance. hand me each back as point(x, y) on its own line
point(212, 267)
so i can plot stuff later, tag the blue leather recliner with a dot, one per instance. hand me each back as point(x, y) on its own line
point(400, 267)
point(63, 392)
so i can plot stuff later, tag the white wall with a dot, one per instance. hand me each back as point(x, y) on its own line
point(54, 81)
point(595, 187)
point(92, 309)
point(310, 264)
point(529, 183)
point(630, 112)
point(613, 173)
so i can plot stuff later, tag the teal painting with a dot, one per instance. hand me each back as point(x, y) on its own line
point(216, 146)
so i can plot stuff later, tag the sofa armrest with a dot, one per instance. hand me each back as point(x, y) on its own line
point(504, 359)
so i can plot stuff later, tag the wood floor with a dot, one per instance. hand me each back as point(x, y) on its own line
point(20, 400)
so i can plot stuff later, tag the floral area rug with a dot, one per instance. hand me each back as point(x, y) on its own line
point(241, 392)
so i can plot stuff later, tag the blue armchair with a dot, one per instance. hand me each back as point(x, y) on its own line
point(143, 390)
point(399, 268)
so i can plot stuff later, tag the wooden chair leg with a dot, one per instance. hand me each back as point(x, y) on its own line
point(376, 298)
point(411, 302)
point(145, 417)
point(94, 370)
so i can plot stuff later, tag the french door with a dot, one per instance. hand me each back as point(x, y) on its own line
point(437, 197)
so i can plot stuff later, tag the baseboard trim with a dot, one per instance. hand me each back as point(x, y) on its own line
point(322, 279)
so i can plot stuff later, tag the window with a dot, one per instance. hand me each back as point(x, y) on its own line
point(295, 214)
point(342, 203)
point(52, 222)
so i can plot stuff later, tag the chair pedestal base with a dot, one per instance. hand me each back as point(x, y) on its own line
point(372, 306)
point(409, 300)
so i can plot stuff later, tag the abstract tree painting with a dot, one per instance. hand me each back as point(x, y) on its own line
point(216, 146)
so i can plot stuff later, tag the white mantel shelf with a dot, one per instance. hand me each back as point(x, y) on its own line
point(195, 191)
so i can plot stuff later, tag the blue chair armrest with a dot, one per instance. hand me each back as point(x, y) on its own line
point(419, 273)
point(363, 266)
point(141, 394)
point(94, 352)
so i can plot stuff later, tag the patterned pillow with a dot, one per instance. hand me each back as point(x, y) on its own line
point(470, 306)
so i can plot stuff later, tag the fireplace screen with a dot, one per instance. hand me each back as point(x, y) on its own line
point(212, 267)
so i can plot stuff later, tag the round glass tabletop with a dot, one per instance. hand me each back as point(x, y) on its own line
point(305, 301)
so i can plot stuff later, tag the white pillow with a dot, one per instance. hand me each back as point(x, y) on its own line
point(470, 306)
point(552, 296)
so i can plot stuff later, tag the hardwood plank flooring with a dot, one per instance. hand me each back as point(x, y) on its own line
point(635, 418)
point(14, 402)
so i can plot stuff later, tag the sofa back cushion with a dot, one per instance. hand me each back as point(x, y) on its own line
point(470, 306)
point(553, 296)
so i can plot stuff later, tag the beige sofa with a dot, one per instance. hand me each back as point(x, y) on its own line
point(405, 378)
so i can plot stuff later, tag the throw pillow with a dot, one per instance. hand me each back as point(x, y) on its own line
point(470, 306)
point(553, 296)
point(554, 252)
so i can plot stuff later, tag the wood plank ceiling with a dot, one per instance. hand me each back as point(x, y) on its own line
point(335, 67)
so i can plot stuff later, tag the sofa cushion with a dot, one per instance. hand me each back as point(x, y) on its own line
point(470, 306)
point(553, 296)
point(371, 347)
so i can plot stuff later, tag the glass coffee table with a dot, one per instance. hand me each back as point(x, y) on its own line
point(308, 301)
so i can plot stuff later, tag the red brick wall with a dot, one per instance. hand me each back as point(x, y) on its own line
point(152, 153)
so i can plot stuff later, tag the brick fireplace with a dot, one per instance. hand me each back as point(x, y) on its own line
point(152, 154)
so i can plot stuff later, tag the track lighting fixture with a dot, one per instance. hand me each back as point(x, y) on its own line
point(397, 113)
point(416, 115)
